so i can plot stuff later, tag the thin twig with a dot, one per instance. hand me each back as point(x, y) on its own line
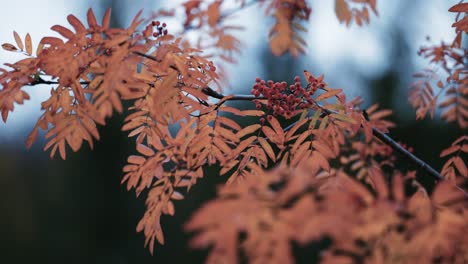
point(39, 80)
point(377, 133)
point(241, 97)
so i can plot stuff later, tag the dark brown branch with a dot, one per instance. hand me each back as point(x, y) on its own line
point(210, 92)
point(39, 80)
point(377, 133)
point(417, 161)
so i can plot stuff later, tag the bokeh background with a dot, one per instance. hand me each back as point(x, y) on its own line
point(76, 211)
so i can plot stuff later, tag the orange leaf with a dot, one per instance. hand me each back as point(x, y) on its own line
point(92, 22)
point(380, 114)
point(252, 113)
point(293, 130)
point(248, 130)
point(177, 196)
point(328, 94)
point(18, 40)
point(323, 149)
point(308, 76)
point(243, 144)
point(398, 188)
point(269, 133)
point(461, 167)
point(342, 11)
point(9, 47)
point(144, 150)
point(52, 41)
point(39, 49)
point(449, 150)
point(344, 118)
point(379, 182)
point(76, 23)
point(269, 151)
point(106, 19)
point(28, 44)
point(63, 31)
point(213, 13)
point(299, 141)
point(462, 7)
point(139, 160)
point(276, 125)
point(320, 160)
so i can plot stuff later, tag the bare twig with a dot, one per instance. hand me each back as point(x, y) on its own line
point(39, 80)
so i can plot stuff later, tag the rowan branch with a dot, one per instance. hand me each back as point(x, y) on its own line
point(39, 80)
point(375, 132)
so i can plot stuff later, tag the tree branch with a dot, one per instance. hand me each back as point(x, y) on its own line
point(376, 133)
point(39, 80)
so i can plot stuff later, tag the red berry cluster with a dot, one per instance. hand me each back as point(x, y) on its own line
point(161, 29)
point(285, 100)
point(211, 66)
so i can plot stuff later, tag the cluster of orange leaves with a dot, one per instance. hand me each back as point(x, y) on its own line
point(382, 224)
point(451, 93)
point(167, 80)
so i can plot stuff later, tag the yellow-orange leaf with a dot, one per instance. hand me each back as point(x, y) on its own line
point(461, 7)
point(213, 13)
point(106, 19)
point(252, 113)
point(270, 134)
point(18, 40)
point(136, 159)
point(449, 150)
point(460, 165)
point(144, 150)
point(28, 44)
point(92, 22)
point(269, 151)
point(323, 149)
point(344, 118)
point(76, 23)
point(328, 94)
point(9, 47)
point(276, 125)
point(63, 31)
point(248, 130)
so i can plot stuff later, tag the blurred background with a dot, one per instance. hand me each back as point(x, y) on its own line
point(76, 211)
